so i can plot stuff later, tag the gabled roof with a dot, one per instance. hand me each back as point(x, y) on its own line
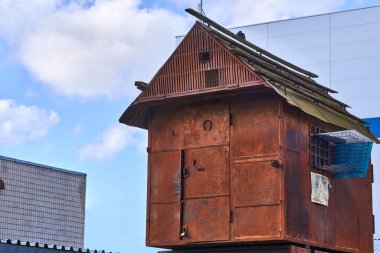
point(259, 68)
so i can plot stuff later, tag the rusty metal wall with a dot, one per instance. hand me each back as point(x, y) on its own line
point(246, 178)
point(346, 223)
point(213, 173)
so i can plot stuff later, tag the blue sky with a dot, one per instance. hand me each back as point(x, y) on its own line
point(67, 70)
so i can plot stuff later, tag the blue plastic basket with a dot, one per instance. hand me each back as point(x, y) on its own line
point(351, 153)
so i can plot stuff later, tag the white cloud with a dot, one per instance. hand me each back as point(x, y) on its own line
point(77, 128)
point(30, 93)
point(89, 51)
point(112, 141)
point(19, 123)
point(87, 48)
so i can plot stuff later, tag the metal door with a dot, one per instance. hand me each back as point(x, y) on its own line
point(165, 192)
point(165, 143)
point(256, 175)
point(205, 174)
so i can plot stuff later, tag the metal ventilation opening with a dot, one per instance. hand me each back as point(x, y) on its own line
point(212, 78)
point(204, 57)
point(350, 156)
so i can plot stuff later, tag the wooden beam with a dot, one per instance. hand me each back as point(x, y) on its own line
point(247, 43)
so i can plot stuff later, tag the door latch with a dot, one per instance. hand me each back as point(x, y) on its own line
point(184, 233)
point(196, 166)
point(185, 172)
point(275, 163)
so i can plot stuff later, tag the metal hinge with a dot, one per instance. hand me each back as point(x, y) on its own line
point(231, 216)
point(231, 120)
point(373, 219)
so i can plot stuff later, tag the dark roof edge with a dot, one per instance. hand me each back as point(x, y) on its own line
point(41, 166)
point(50, 246)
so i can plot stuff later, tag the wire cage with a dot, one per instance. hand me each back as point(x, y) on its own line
point(345, 153)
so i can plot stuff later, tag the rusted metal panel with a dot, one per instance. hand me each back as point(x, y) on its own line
point(305, 182)
point(165, 169)
point(291, 128)
point(346, 196)
point(208, 172)
point(257, 222)
point(365, 200)
point(274, 248)
point(295, 249)
point(206, 219)
point(166, 129)
point(305, 218)
point(365, 241)
point(207, 125)
point(256, 184)
point(347, 223)
point(291, 165)
point(163, 224)
point(256, 128)
point(322, 225)
point(293, 216)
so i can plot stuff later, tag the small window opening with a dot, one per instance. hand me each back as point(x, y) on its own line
point(211, 78)
point(204, 57)
point(321, 151)
point(1, 184)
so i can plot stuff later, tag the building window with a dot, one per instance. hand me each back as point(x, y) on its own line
point(211, 78)
point(321, 152)
point(2, 184)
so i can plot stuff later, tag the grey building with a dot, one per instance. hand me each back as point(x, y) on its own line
point(41, 204)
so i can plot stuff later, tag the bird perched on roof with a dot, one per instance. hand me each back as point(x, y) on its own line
point(241, 35)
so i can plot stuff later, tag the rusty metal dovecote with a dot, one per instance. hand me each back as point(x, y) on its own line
point(230, 161)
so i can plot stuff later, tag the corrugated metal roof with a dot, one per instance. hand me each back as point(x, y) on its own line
point(297, 88)
point(28, 247)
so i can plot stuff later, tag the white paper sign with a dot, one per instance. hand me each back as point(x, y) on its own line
point(320, 189)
